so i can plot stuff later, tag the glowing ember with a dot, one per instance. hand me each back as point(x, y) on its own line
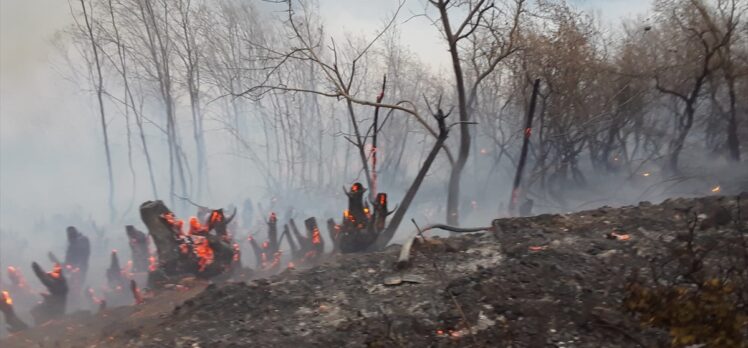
point(126, 272)
point(7, 299)
point(291, 265)
point(215, 217)
point(196, 227)
point(316, 236)
point(16, 277)
point(152, 265)
point(538, 248)
point(348, 216)
point(204, 253)
point(172, 220)
point(618, 236)
point(645, 174)
point(237, 253)
point(483, 151)
point(716, 189)
point(94, 298)
point(56, 271)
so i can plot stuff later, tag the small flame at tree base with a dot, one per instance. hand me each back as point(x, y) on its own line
point(6, 298)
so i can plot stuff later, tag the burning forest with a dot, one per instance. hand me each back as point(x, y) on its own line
point(399, 173)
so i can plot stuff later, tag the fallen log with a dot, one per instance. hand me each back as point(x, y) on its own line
point(403, 260)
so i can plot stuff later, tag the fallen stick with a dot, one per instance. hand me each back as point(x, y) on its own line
point(443, 276)
point(404, 259)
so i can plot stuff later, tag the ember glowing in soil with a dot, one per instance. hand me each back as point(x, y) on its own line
point(716, 189)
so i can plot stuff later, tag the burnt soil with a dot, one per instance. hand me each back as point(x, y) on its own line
point(543, 281)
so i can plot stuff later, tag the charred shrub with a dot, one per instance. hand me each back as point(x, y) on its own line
point(696, 289)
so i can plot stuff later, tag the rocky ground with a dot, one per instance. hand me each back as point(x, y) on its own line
point(543, 281)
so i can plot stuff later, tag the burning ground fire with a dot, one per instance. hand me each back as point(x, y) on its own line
point(202, 249)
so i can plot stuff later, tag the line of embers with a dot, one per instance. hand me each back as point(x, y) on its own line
point(205, 250)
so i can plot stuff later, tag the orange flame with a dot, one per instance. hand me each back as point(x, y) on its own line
point(172, 220)
point(215, 217)
point(195, 226)
point(204, 253)
point(716, 189)
point(7, 299)
point(348, 216)
point(316, 236)
point(56, 271)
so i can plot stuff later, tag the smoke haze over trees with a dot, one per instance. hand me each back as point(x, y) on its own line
point(219, 101)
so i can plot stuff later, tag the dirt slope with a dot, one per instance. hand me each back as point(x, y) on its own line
point(549, 280)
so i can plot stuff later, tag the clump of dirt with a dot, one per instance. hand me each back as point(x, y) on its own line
point(548, 280)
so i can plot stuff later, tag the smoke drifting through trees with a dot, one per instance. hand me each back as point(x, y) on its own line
point(299, 104)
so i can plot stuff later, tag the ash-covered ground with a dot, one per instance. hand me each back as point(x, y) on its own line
point(543, 281)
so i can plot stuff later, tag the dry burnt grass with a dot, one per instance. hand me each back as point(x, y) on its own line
point(549, 280)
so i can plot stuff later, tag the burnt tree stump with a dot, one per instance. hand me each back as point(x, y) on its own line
point(15, 324)
point(205, 254)
point(55, 301)
point(138, 248)
point(77, 255)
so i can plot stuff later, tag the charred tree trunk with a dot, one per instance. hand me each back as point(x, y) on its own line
point(77, 256)
point(114, 277)
point(55, 301)
point(138, 249)
point(525, 145)
point(399, 214)
point(314, 235)
point(15, 324)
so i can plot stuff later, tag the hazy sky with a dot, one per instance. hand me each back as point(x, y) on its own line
point(50, 157)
